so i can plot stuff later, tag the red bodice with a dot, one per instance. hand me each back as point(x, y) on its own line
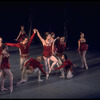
point(47, 52)
point(5, 62)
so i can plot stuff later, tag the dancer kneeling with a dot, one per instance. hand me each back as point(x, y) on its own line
point(32, 65)
point(66, 65)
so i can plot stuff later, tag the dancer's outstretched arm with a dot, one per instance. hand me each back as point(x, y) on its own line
point(31, 38)
point(38, 34)
point(62, 66)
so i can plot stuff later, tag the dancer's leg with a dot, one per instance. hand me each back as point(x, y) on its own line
point(84, 59)
point(55, 61)
point(9, 73)
point(2, 81)
point(46, 67)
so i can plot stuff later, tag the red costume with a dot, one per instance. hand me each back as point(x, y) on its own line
point(5, 62)
point(67, 65)
point(1, 48)
point(61, 47)
point(21, 37)
point(47, 51)
point(23, 47)
point(83, 46)
point(35, 64)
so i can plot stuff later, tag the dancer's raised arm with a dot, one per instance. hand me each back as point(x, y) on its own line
point(18, 35)
point(31, 38)
point(38, 34)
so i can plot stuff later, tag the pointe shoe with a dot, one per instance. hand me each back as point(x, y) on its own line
point(40, 80)
point(22, 81)
point(3, 89)
point(11, 89)
point(61, 76)
point(86, 67)
point(19, 82)
point(47, 75)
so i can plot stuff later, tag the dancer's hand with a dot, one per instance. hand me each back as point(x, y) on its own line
point(34, 30)
point(15, 39)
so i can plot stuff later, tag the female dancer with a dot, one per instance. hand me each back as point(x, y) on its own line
point(61, 45)
point(24, 48)
point(22, 35)
point(47, 53)
point(82, 49)
point(1, 45)
point(5, 67)
point(53, 40)
point(67, 65)
point(32, 65)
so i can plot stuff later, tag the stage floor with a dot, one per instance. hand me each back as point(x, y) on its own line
point(84, 84)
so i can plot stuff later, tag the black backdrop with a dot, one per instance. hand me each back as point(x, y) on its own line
point(81, 16)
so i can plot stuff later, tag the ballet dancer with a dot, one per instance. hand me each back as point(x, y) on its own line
point(61, 46)
point(5, 67)
point(24, 48)
point(82, 49)
point(67, 65)
point(47, 52)
point(1, 45)
point(22, 35)
point(32, 66)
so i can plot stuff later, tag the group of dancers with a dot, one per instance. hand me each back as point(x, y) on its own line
point(53, 51)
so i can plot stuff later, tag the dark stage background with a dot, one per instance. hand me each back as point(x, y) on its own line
point(50, 16)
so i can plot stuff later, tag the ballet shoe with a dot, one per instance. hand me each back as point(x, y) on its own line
point(86, 68)
point(22, 81)
point(61, 76)
point(39, 80)
point(18, 83)
point(11, 89)
point(3, 89)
